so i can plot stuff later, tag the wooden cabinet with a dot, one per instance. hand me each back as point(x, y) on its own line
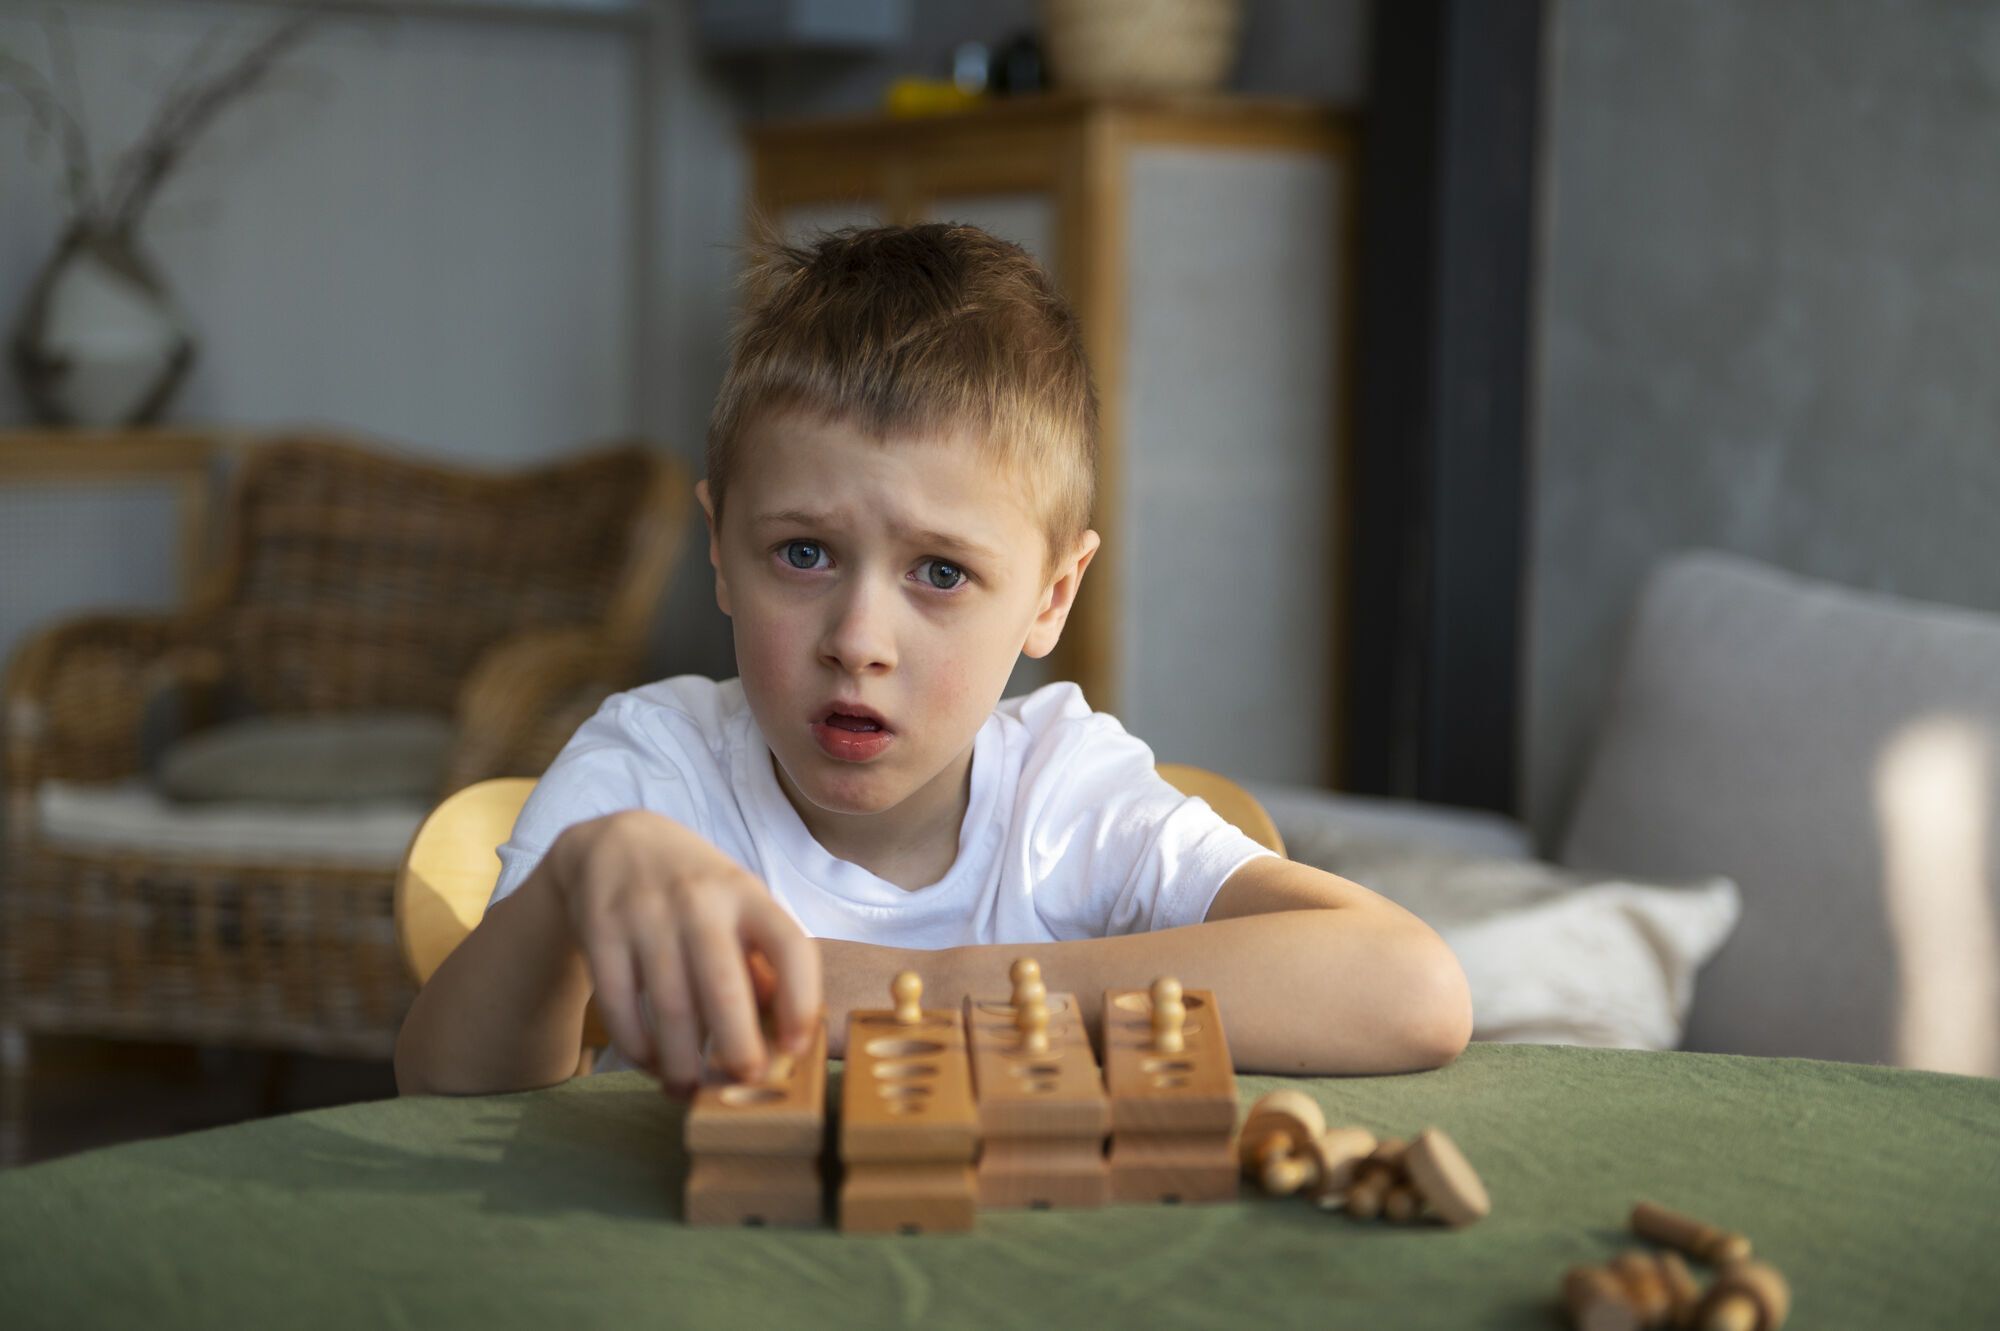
point(1207, 247)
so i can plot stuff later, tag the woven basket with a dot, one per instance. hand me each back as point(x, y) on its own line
point(1142, 46)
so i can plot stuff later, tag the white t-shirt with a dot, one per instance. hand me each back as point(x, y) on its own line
point(1069, 831)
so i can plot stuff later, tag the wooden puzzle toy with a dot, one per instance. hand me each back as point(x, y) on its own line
point(1746, 1296)
point(909, 1129)
point(754, 1149)
point(1173, 1095)
point(1043, 1111)
point(1697, 1238)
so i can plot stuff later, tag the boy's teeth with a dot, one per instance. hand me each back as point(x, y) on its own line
point(846, 722)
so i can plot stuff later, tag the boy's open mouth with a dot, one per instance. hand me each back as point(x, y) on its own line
point(853, 717)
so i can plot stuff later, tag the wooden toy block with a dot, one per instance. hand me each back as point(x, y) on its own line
point(1043, 1113)
point(1697, 1238)
point(1746, 1296)
point(1597, 1300)
point(909, 1127)
point(1446, 1180)
point(1173, 1095)
point(1191, 1091)
point(1172, 1168)
point(755, 1147)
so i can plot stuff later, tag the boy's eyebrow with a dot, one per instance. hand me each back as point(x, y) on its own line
point(935, 540)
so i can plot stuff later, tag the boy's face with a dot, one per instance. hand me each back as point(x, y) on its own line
point(905, 579)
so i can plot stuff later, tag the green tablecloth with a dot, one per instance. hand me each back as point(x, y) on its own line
point(1874, 1190)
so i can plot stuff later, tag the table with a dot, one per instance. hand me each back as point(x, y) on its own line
point(1875, 1190)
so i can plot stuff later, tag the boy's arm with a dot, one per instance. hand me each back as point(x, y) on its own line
point(504, 1011)
point(1317, 975)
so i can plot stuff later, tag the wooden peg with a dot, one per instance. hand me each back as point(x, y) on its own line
point(1682, 1288)
point(1337, 1152)
point(908, 991)
point(1746, 1296)
point(1279, 1126)
point(1402, 1204)
point(1365, 1198)
point(1644, 1285)
point(1032, 991)
point(1032, 1020)
point(1597, 1300)
point(1446, 1179)
point(1697, 1238)
point(1169, 1016)
point(1021, 972)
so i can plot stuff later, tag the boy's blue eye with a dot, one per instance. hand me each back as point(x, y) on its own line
point(809, 551)
point(953, 572)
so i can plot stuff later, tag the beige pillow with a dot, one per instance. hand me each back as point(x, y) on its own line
point(311, 759)
point(1552, 957)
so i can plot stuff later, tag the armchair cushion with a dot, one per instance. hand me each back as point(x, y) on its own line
point(133, 816)
point(311, 759)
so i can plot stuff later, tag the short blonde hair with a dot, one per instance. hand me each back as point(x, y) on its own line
point(934, 329)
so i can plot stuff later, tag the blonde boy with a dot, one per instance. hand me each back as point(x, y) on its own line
point(900, 476)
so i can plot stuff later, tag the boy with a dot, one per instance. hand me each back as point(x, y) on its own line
point(900, 476)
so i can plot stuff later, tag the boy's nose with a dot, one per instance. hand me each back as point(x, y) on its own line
point(860, 637)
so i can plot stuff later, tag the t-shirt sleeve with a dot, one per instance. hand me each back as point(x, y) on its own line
point(1117, 849)
point(610, 764)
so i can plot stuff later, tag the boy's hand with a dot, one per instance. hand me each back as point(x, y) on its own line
point(676, 931)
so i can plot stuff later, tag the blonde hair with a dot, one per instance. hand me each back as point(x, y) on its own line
point(907, 331)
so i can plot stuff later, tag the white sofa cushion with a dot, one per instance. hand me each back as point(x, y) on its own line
point(335, 759)
point(135, 816)
point(1835, 754)
point(1551, 957)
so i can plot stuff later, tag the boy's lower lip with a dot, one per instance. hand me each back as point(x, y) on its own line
point(851, 746)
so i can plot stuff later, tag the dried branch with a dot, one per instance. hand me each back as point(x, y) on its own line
point(182, 118)
point(54, 119)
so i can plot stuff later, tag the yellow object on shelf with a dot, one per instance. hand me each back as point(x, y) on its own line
point(928, 97)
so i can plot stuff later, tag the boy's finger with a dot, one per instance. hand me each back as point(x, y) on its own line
point(612, 974)
point(794, 958)
point(676, 1024)
point(722, 989)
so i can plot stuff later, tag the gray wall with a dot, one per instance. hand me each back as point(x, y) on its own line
point(1769, 316)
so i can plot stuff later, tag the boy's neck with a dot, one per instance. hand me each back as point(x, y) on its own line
point(912, 845)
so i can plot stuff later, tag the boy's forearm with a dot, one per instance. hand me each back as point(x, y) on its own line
point(504, 1012)
point(1304, 992)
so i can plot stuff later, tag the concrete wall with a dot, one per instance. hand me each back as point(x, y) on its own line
point(423, 228)
point(1769, 316)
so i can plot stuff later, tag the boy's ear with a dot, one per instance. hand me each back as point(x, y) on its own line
point(1061, 595)
point(714, 545)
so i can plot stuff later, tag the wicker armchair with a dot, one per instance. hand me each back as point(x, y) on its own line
point(352, 582)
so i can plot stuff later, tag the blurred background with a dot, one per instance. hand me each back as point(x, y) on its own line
point(1552, 459)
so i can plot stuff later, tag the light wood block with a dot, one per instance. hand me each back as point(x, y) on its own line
point(1042, 1117)
point(1193, 1091)
point(924, 1197)
point(755, 1147)
point(1172, 1168)
point(755, 1190)
point(909, 1129)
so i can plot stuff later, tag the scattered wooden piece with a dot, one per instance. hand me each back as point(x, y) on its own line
point(1697, 1238)
point(1448, 1182)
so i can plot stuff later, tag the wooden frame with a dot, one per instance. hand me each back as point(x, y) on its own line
point(1074, 149)
point(182, 459)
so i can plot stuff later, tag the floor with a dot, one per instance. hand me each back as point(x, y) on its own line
point(84, 1094)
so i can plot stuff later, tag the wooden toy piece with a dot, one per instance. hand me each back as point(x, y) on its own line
point(1169, 1016)
point(1273, 1143)
point(1402, 1204)
point(1368, 1195)
point(1644, 1286)
point(1024, 970)
point(1446, 1180)
point(1043, 1115)
point(1031, 1019)
point(1697, 1238)
point(1336, 1154)
point(1597, 1300)
point(1682, 1290)
point(909, 1129)
point(1746, 1296)
point(1173, 1114)
point(908, 990)
point(755, 1149)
